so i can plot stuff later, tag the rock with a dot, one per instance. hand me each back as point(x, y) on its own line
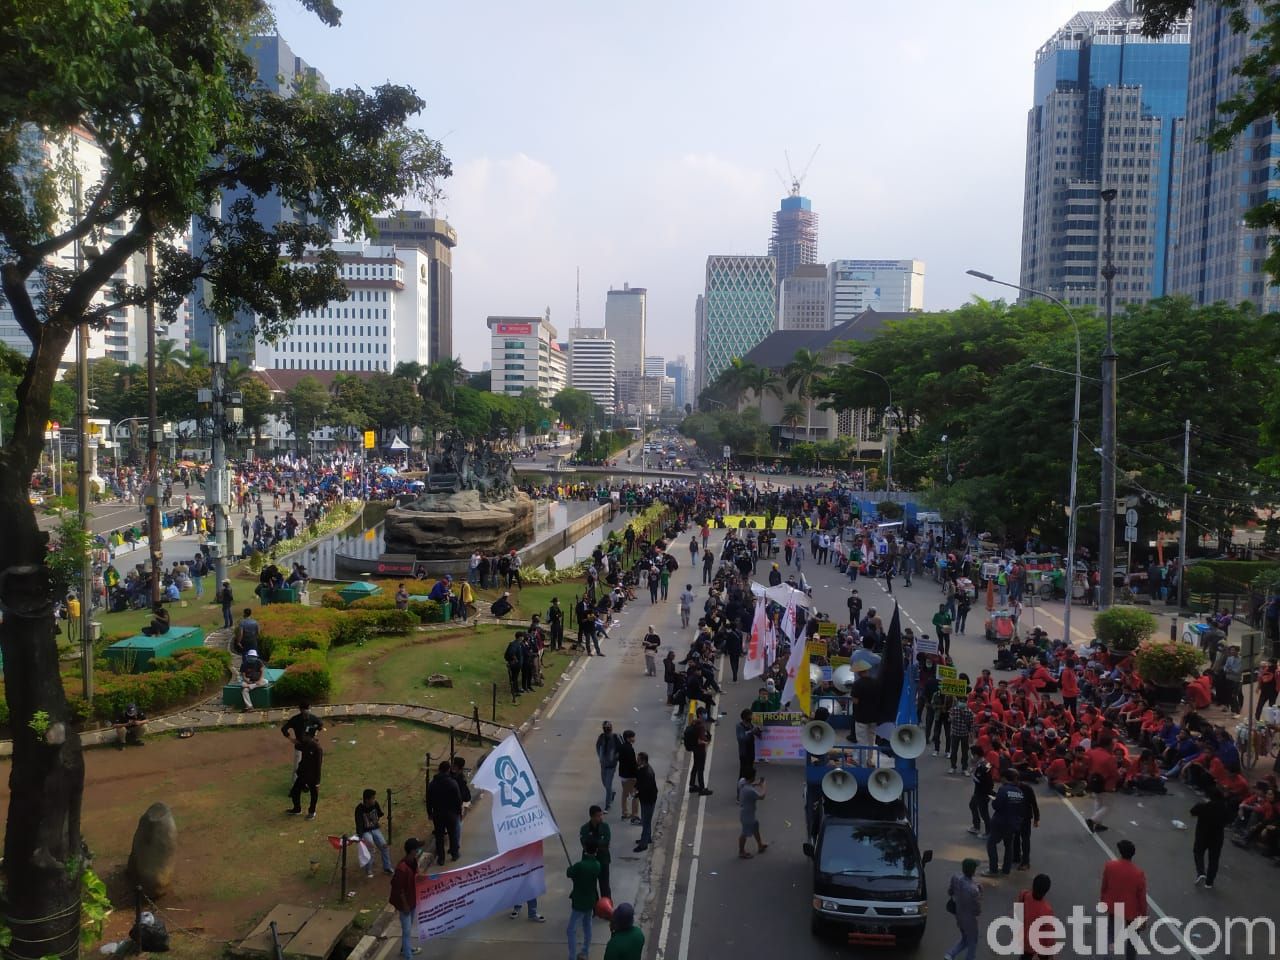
point(155, 848)
point(439, 680)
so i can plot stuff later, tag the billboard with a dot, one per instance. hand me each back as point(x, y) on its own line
point(514, 328)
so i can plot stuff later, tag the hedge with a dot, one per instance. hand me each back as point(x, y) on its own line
point(186, 676)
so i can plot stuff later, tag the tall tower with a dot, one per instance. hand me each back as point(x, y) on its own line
point(625, 319)
point(435, 238)
point(1108, 111)
point(1215, 256)
point(794, 241)
point(739, 310)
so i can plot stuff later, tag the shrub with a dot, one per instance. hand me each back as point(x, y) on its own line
point(427, 611)
point(1167, 664)
point(351, 629)
point(302, 682)
point(381, 602)
point(1123, 628)
point(184, 676)
point(332, 601)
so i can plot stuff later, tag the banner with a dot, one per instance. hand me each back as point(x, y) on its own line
point(781, 736)
point(520, 814)
point(789, 619)
point(926, 645)
point(757, 654)
point(458, 898)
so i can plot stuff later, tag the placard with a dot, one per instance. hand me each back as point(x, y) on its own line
point(816, 648)
point(953, 688)
point(827, 628)
point(926, 645)
point(948, 673)
point(781, 736)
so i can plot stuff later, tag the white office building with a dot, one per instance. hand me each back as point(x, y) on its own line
point(593, 365)
point(625, 318)
point(385, 319)
point(525, 355)
point(803, 300)
point(885, 286)
point(655, 366)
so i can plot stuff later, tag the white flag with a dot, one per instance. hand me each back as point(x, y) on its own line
point(520, 814)
point(758, 649)
point(789, 618)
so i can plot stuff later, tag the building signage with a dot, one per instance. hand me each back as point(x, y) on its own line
point(514, 328)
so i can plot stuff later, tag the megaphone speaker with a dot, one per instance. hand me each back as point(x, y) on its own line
point(819, 737)
point(885, 785)
point(815, 674)
point(839, 785)
point(908, 741)
point(843, 676)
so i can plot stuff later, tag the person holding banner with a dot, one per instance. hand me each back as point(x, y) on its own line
point(404, 895)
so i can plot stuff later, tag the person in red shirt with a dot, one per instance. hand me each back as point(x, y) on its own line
point(1104, 776)
point(1034, 906)
point(1124, 893)
point(404, 895)
point(1070, 687)
point(1199, 692)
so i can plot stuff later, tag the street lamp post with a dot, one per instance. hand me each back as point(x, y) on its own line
point(888, 443)
point(1075, 443)
point(1107, 512)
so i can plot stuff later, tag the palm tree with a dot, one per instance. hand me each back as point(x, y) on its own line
point(760, 380)
point(792, 414)
point(441, 380)
point(805, 368)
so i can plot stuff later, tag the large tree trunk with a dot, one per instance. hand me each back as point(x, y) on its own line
point(42, 849)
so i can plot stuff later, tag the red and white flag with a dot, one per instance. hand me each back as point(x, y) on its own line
point(758, 650)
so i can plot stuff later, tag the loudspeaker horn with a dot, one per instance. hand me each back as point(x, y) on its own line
point(819, 738)
point(839, 785)
point(885, 785)
point(843, 676)
point(908, 741)
point(815, 674)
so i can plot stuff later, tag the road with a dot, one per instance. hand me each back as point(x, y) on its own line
point(699, 900)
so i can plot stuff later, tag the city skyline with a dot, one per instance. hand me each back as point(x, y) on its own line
point(538, 190)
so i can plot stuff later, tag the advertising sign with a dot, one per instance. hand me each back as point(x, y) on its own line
point(782, 736)
point(522, 329)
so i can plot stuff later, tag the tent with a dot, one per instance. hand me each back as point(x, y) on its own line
point(398, 444)
point(781, 594)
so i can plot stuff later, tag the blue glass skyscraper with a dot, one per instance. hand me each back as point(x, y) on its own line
point(1109, 111)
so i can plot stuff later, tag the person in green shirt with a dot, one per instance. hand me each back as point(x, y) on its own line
point(585, 875)
point(763, 703)
point(595, 832)
point(942, 623)
point(627, 942)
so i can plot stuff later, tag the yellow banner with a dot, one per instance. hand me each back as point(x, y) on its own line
point(779, 523)
point(370, 441)
point(827, 628)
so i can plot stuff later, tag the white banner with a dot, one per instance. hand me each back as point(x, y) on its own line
point(453, 900)
point(758, 650)
point(520, 814)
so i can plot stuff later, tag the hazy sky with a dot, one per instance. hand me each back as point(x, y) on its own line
point(632, 140)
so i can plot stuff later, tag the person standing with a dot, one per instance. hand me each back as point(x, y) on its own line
point(1030, 819)
point(733, 647)
point(607, 755)
point(965, 902)
point(402, 597)
point(555, 619)
point(304, 723)
point(1006, 823)
point(750, 792)
point(307, 777)
point(696, 739)
point(627, 774)
point(1124, 893)
point(686, 604)
point(404, 895)
point(983, 784)
point(369, 829)
point(650, 644)
point(444, 809)
point(1212, 818)
point(708, 564)
point(585, 876)
point(647, 794)
point(746, 733)
point(942, 621)
point(1034, 907)
point(596, 833)
point(626, 941)
point(225, 599)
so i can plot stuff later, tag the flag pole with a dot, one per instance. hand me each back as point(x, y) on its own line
point(545, 799)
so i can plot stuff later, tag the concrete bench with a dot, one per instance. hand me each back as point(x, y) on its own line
point(140, 652)
point(233, 695)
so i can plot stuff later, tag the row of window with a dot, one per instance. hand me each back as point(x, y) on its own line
point(344, 364)
point(335, 330)
point(333, 346)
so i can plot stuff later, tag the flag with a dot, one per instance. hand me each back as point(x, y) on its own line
point(789, 618)
point(797, 688)
point(892, 678)
point(757, 650)
point(520, 813)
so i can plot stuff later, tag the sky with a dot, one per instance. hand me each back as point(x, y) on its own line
point(629, 141)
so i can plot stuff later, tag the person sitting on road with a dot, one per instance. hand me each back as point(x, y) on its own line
point(159, 622)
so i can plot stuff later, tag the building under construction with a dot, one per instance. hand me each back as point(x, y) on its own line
point(795, 234)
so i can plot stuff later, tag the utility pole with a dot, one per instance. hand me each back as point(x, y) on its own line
point(154, 532)
point(215, 492)
point(1107, 510)
point(83, 474)
point(1182, 537)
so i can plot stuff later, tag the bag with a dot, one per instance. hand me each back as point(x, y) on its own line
point(604, 908)
point(690, 738)
point(951, 905)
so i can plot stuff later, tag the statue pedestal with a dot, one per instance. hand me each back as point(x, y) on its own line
point(453, 526)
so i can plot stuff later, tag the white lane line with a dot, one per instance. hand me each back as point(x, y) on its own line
point(564, 691)
point(1155, 908)
point(686, 923)
point(676, 854)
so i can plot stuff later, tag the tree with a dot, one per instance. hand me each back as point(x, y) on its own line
point(168, 95)
point(308, 403)
point(577, 408)
point(482, 381)
point(393, 403)
point(804, 371)
point(1256, 100)
point(792, 414)
point(257, 404)
point(758, 381)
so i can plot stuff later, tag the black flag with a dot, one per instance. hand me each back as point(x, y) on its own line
point(891, 673)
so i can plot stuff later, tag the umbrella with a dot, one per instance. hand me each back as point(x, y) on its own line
point(387, 471)
point(417, 484)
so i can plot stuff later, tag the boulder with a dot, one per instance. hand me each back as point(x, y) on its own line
point(439, 680)
point(155, 850)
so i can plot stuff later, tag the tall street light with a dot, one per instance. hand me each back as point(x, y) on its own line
point(888, 443)
point(1075, 443)
point(1107, 512)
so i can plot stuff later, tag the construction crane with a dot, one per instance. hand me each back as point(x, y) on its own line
point(791, 181)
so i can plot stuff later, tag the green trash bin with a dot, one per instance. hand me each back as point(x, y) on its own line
point(446, 610)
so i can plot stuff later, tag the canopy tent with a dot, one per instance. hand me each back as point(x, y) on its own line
point(398, 444)
point(781, 594)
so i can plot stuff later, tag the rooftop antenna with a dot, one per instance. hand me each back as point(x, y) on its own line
point(577, 301)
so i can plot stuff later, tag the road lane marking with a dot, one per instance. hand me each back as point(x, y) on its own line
point(686, 922)
point(564, 691)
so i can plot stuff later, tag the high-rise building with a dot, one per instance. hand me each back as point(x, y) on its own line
point(655, 367)
point(1108, 111)
point(804, 300)
point(739, 310)
point(383, 321)
point(625, 317)
point(526, 356)
point(281, 72)
point(593, 365)
point(678, 371)
point(436, 239)
point(794, 242)
point(1215, 256)
point(886, 286)
point(699, 354)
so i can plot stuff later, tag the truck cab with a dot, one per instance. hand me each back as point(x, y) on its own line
point(869, 881)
